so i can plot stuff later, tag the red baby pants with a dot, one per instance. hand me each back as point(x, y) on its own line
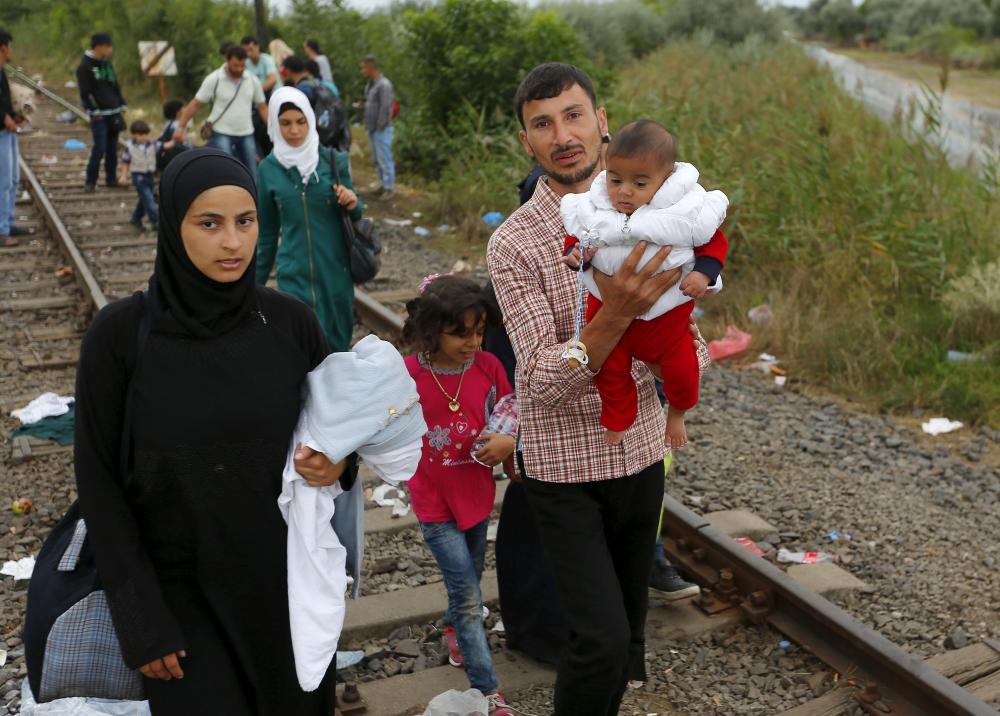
point(665, 341)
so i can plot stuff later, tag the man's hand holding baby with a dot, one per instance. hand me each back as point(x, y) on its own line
point(694, 285)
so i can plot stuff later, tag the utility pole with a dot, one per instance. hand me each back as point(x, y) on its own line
point(261, 11)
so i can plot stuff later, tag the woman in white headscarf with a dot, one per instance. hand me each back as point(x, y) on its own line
point(300, 202)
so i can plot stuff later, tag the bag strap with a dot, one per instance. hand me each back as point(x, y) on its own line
point(232, 99)
point(348, 224)
point(145, 326)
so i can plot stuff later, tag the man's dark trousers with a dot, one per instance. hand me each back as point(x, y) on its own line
point(105, 134)
point(598, 537)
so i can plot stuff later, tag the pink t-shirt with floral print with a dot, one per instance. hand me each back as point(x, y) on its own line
point(449, 484)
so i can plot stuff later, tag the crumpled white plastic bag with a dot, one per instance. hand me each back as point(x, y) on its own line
point(21, 569)
point(939, 426)
point(458, 703)
point(79, 706)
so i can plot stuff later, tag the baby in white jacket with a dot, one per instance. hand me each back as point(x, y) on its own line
point(646, 195)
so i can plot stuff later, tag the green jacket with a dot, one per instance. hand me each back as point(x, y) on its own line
point(313, 260)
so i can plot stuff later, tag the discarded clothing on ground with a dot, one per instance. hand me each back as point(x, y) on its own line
point(59, 428)
point(46, 405)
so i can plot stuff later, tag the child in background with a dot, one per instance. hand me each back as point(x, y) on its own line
point(645, 194)
point(453, 490)
point(170, 111)
point(140, 161)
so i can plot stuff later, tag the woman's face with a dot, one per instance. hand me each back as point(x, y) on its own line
point(294, 127)
point(219, 232)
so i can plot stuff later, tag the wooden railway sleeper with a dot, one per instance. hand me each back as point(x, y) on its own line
point(870, 699)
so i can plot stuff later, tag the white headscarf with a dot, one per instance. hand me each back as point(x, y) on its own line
point(306, 156)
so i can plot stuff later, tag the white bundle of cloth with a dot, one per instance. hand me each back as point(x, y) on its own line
point(681, 214)
point(365, 402)
point(46, 405)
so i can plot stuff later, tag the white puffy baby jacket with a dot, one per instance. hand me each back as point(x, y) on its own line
point(681, 214)
point(361, 401)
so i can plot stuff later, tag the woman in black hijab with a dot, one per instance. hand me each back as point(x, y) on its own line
point(183, 520)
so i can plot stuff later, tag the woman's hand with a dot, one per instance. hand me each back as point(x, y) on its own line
point(164, 668)
point(316, 468)
point(345, 197)
point(497, 448)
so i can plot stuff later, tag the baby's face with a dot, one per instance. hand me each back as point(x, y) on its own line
point(632, 181)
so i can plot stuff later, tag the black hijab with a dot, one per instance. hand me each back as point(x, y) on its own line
point(184, 300)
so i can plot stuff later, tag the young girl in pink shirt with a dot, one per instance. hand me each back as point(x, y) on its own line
point(452, 491)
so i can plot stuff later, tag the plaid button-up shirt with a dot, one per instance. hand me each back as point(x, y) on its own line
point(561, 434)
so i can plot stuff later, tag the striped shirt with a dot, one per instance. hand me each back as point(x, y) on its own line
point(561, 434)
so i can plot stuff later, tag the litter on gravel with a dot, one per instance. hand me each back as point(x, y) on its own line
point(940, 426)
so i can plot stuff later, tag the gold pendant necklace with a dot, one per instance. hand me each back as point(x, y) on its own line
point(453, 404)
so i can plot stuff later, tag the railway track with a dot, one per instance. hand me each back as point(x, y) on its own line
point(84, 254)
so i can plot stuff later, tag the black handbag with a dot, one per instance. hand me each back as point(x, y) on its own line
point(362, 243)
point(70, 644)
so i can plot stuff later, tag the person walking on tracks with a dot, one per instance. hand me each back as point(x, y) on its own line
point(332, 122)
point(597, 506)
point(233, 92)
point(301, 199)
point(101, 96)
point(379, 100)
point(182, 519)
point(10, 120)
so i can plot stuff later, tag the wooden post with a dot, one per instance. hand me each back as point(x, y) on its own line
point(163, 89)
point(260, 9)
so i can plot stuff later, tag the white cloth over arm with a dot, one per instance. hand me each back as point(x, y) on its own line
point(364, 402)
point(317, 571)
point(681, 215)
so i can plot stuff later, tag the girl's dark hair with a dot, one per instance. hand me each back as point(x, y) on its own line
point(287, 107)
point(172, 108)
point(442, 308)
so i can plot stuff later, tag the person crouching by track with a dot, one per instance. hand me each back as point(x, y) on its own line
point(453, 489)
point(300, 201)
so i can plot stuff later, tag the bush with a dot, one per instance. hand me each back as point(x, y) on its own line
point(918, 16)
point(614, 33)
point(196, 28)
point(878, 16)
point(841, 21)
point(731, 21)
point(471, 55)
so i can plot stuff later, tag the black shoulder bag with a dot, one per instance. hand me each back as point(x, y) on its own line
point(362, 244)
point(70, 644)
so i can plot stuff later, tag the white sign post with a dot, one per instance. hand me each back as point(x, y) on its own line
point(157, 60)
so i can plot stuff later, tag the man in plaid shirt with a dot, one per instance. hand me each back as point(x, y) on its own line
point(597, 505)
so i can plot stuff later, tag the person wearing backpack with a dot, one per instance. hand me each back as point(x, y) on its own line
point(233, 92)
point(300, 199)
point(332, 124)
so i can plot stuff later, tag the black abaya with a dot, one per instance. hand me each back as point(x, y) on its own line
point(190, 545)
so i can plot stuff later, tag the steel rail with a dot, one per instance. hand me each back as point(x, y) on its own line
point(376, 316)
point(19, 74)
point(81, 271)
point(890, 680)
